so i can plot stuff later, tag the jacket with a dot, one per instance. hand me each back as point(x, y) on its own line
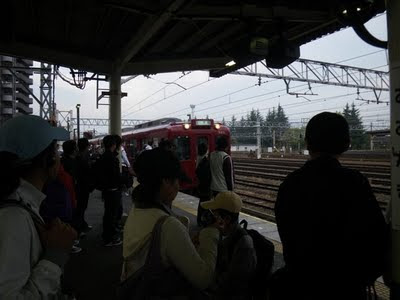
point(177, 249)
point(331, 226)
point(236, 265)
point(26, 272)
point(108, 172)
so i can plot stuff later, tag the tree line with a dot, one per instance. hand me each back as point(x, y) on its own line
point(276, 130)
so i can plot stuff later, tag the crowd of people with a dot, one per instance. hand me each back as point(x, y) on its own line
point(332, 230)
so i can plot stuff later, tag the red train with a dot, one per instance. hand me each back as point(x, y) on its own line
point(185, 136)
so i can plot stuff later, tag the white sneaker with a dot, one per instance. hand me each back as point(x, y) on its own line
point(76, 249)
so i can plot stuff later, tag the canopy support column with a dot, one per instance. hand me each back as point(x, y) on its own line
point(393, 23)
point(115, 103)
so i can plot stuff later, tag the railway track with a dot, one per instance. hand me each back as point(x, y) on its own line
point(259, 196)
point(380, 181)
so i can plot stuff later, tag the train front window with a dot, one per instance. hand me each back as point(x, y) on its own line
point(202, 140)
point(182, 144)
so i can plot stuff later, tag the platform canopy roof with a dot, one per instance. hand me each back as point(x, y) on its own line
point(154, 36)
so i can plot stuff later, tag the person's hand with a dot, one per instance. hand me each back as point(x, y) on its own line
point(58, 235)
point(218, 224)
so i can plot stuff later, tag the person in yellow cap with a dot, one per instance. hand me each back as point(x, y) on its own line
point(237, 260)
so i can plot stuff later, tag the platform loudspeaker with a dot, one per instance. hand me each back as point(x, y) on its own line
point(278, 53)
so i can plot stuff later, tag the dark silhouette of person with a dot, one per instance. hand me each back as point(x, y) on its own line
point(331, 226)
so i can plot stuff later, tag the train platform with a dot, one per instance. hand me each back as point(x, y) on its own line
point(94, 272)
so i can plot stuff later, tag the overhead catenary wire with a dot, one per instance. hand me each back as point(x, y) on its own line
point(158, 101)
point(148, 97)
point(254, 85)
point(297, 104)
point(283, 94)
point(209, 100)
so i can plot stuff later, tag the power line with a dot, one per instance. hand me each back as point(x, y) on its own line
point(158, 101)
point(302, 85)
point(219, 97)
point(298, 103)
point(167, 83)
point(216, 98)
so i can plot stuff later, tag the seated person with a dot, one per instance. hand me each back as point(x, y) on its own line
point(158, 172)
point(237, 259)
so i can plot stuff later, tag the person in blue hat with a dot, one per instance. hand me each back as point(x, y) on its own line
point(32, 253)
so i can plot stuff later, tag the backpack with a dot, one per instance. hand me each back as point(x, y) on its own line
point(265, 251)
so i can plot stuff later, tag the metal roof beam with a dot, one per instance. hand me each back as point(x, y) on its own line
point(240, 12)
point(66, 59)
point(174, 65)
point(149, 28)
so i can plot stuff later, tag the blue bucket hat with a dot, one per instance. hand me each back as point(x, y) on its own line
point(27, 136)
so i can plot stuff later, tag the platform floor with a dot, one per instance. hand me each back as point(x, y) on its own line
point(94, 272)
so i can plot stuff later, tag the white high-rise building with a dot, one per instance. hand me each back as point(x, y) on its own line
point(14, 86)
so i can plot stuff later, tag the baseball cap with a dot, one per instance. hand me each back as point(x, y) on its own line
point(228, 200)
point(27, 136)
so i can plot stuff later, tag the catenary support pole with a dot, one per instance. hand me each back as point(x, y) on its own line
point(258, 140)
point(273, 140)
point(78, 128)
point(115, 104)
point(393, 23)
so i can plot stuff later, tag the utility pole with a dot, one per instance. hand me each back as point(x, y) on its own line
point(273, 140)
point(192, 106)
point(299, 143)
point(78, 125)
point(371, 139)
point(258, 140)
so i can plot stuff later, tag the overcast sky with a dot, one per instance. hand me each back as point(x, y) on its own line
point(218, 98)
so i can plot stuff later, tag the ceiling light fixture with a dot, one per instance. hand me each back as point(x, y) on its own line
point(231, 63)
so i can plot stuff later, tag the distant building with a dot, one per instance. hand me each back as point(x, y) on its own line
point(247, 148)
point(14, 95)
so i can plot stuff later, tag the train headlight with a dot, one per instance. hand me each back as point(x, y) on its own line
point(186, 126)
point(217, 126)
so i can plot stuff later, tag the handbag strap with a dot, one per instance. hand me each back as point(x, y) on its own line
point(154, 259)
point(37, 221)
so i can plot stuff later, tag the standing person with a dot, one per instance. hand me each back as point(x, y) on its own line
point(68, 159)
point(203, 174)
point(126, 170)
point(124, 177)
point(221, 168)
point(59, 202)
point(178, 269)
point(109, 182)
point(331, 226)
point(84, 183)
point(32, 254)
